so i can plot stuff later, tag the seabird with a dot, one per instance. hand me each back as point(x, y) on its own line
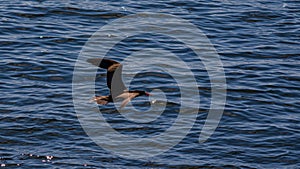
point(117, 88)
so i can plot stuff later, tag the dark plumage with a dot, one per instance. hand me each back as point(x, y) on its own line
point(117, 89)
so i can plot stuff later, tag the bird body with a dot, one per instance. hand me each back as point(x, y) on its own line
point(114, 83)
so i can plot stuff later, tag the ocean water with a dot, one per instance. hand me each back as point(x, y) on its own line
point(258, 43)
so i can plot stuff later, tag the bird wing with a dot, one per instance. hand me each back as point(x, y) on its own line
point(103, 63)
point(114, 74)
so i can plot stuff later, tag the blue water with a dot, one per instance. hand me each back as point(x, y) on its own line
point(258, 43)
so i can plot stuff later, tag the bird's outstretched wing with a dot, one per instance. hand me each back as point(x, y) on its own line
point(114, 74)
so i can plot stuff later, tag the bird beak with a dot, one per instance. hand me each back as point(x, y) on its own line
point(148, 94)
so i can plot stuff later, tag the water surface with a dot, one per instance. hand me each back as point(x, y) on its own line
point(258, 43)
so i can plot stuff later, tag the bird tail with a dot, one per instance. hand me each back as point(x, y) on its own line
point(99, 100)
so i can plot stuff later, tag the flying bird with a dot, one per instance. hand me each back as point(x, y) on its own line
point(115, 83)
